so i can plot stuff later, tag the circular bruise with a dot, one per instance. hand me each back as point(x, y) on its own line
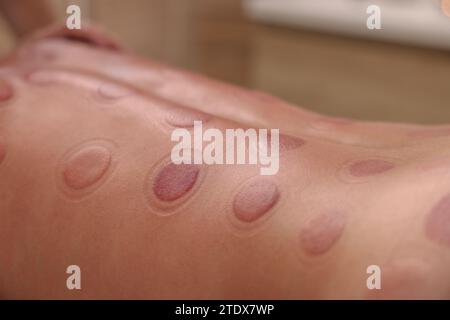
point(363, 169)
point(6, 92)
point(179, 117)
point(161, 191)
point(85, 167)
point(259, 218)
point(3, 149)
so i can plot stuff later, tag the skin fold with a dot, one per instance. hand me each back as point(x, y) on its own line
point(86, 180)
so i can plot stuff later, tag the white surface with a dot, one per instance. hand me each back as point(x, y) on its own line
point(420, 22)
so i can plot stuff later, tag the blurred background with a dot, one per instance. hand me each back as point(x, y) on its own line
point(316, 53)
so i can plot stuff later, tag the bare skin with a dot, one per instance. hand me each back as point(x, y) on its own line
point(84, 139)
